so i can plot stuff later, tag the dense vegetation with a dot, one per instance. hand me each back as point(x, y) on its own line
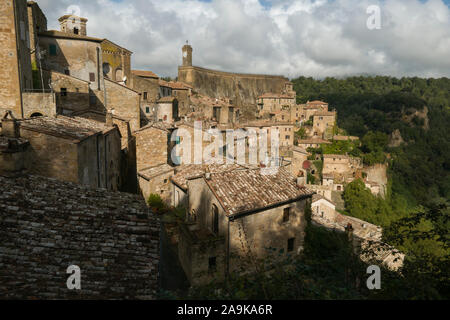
point(376, 109)
point(380, 105)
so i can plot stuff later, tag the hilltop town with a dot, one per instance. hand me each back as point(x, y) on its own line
point(91, 167)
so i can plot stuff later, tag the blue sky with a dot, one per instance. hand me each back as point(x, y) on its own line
point(315, 38)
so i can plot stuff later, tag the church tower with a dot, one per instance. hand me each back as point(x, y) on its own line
point(73, 25)
point(187, 55)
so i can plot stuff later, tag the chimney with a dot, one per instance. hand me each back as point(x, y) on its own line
point(10, 127)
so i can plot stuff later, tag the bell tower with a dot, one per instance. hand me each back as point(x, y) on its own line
point(73, 24)
point(187, 55)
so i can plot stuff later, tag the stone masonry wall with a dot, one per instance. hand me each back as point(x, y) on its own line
point(48, 226)
point(43, 103)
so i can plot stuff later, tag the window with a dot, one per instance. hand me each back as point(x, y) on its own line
point(92, 100)
point(145, 95)
point(165, 181)
point(147, 109)
point(215, 219)
point(92, 77)
point(75, 30)
point(286, 214)
point(212, 264)
point(288, 137)
point(291, 243)
point(52, 50)
point(63, 92)
point(67, 72)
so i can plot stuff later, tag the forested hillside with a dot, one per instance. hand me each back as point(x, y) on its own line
point(406, 123)
point(420, 167)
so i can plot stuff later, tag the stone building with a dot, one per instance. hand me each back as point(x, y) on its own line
point(153, 145)
point(116, 62)
point(299, 156)
point(76, 55)
point(122, 101)
point(37, 22)
point(185, 172)
point(313, 107)
point(72, 94)
point(182, 92)
point(166, 110)
point(324, 123)
point(48, 225)
point(147, 84)
point(71, 149)
point(156, 180)
point(15, 61)
point(338, 164)
point(238, 216)
point(269, 103)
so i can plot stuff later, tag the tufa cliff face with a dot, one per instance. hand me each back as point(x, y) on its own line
point(243, 89)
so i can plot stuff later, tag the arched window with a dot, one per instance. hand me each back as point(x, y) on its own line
point(36, 114)
point(119, 75)
point(107, 69)
point(215, 219)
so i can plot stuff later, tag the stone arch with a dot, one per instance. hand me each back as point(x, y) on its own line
point(118, 74)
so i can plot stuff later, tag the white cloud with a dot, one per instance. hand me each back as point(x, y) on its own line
point(304, 37)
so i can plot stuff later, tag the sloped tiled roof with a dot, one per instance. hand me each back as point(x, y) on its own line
point(71, 128)
point(145, 74)
point(152, 172)
point(249, 190)
point(186, 172)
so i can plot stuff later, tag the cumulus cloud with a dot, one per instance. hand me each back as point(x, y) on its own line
point(290, 37)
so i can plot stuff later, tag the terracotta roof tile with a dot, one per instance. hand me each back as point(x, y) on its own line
point(248, 190)
point(145, 74)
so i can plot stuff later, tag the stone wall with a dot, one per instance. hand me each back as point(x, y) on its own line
point(15, 61)
point(242, 88)
point(51, 156)
point(149, 85)
point(250, 236)
point(76, 95)
point(81, 57)
point(124, 101)
point(39, 103)
point(151, 147)
point(48, 225)
point(37, 22)
point(118, 61)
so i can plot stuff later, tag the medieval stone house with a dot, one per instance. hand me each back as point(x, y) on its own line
point(70, 149)
point(237, 216)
